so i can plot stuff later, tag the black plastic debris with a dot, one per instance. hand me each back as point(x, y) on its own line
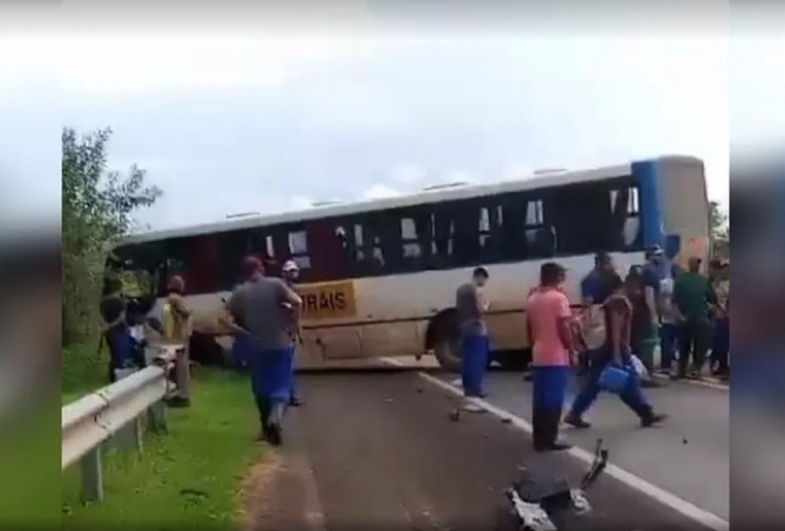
point(540, 503)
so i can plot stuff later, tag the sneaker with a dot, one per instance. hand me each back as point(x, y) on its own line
point(576, 422)
point(652, 419)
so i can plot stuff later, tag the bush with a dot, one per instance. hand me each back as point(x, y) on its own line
point(97, 209)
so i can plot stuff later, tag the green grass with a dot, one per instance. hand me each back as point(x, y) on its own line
point(190, 475)
point(83, 370)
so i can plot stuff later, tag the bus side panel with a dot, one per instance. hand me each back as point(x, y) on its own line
point(685, 205)
point(646, 174)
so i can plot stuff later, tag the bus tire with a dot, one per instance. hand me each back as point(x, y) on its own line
point(443, 338)
point(448, 353)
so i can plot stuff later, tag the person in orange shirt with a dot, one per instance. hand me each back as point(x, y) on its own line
point(550, 323)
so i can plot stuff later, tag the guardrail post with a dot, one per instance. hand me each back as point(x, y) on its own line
point(92, 478)
point(156, 417)
point(183, 375)
point(129, 436)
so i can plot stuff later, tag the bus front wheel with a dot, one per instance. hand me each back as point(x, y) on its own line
point(448, 353)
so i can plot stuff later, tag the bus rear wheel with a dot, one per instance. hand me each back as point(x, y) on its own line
point(448, 353)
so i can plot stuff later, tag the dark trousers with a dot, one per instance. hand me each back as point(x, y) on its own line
point(721, 345)
point(474, 362)
point(669, 341)
point(632, 396)
point(693, 345)
point(549, 386)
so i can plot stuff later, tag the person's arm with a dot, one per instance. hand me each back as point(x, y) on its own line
point(288, 296)
point(617, 324)
point(564, 324)
point(178, 304)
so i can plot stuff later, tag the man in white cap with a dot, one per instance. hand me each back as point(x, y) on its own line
point(291, 272)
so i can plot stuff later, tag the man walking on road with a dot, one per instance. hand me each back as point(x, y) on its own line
point(550, 325)
point(618, 322)
point(471, 305)
point(290, 274)
point(259, 305)
point(693, 296)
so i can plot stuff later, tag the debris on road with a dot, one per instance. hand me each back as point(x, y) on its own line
point(536, 499)
point(455, 415)
point(506, 420)
point(684, 440)
point(472, 408)
point(419, 389)
point(388, 400)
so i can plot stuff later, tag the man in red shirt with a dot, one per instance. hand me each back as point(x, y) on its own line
point(550, 323)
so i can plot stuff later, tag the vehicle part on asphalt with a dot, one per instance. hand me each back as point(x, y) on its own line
point(536, 501)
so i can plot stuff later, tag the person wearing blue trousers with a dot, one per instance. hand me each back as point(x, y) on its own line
point(261, 309)
point(550, 328)
point(618, 314)
point(470, 305)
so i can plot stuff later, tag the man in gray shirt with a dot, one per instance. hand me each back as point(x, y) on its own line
point(471, 305)
point(263, 309)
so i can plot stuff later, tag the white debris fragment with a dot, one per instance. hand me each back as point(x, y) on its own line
point(531, 515)
point(579, 501)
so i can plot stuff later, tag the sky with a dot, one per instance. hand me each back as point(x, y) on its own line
point(249, 120)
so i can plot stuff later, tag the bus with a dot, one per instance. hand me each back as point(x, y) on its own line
point(378, 278)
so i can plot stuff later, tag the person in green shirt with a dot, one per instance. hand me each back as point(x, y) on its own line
point(693, 297)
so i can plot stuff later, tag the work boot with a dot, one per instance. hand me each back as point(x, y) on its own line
point(576, 421)
point(274, 424)
point(650, 419)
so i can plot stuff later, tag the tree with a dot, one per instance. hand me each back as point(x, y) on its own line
point(719, 231)
point(97, 209)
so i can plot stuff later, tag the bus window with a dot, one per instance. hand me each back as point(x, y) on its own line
point(298, 249)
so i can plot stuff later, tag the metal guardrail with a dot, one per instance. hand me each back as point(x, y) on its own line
point(115, 412)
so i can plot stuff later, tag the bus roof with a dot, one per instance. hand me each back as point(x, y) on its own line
point(434, 195)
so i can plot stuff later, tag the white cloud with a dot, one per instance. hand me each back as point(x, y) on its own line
point(408, 175)
point(379, 191)
point(300, 202)
point(514, 172)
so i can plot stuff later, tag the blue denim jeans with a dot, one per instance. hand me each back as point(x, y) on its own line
point(474, 361)
point(670, 334)
point(632, 395)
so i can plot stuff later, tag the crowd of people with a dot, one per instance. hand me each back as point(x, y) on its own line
point(263, 313)
point(620, 324)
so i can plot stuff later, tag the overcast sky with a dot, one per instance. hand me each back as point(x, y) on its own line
point(252, 121)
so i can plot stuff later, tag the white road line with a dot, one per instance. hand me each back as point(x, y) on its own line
point(680, 505)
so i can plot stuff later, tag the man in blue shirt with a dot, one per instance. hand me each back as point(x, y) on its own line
point(594, 285)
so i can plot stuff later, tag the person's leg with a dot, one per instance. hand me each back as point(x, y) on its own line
point(280, 385)
point(722, 346)
point(557, 379)
point(466, 355)
point(667, 343)
point(294, 400)
point(685, 348)
point(586, 396)
point(633, 397)
point(472, 363)
point(482, 364)
point(540, 426)
point(703, 331)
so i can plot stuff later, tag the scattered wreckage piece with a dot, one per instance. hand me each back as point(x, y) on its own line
point(538, 501)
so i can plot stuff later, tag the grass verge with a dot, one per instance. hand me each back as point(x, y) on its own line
point(189, 477)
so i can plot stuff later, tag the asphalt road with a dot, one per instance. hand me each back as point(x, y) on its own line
point(687, 456)
point(379, 451)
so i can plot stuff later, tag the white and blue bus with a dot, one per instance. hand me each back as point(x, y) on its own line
point(379, 277)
